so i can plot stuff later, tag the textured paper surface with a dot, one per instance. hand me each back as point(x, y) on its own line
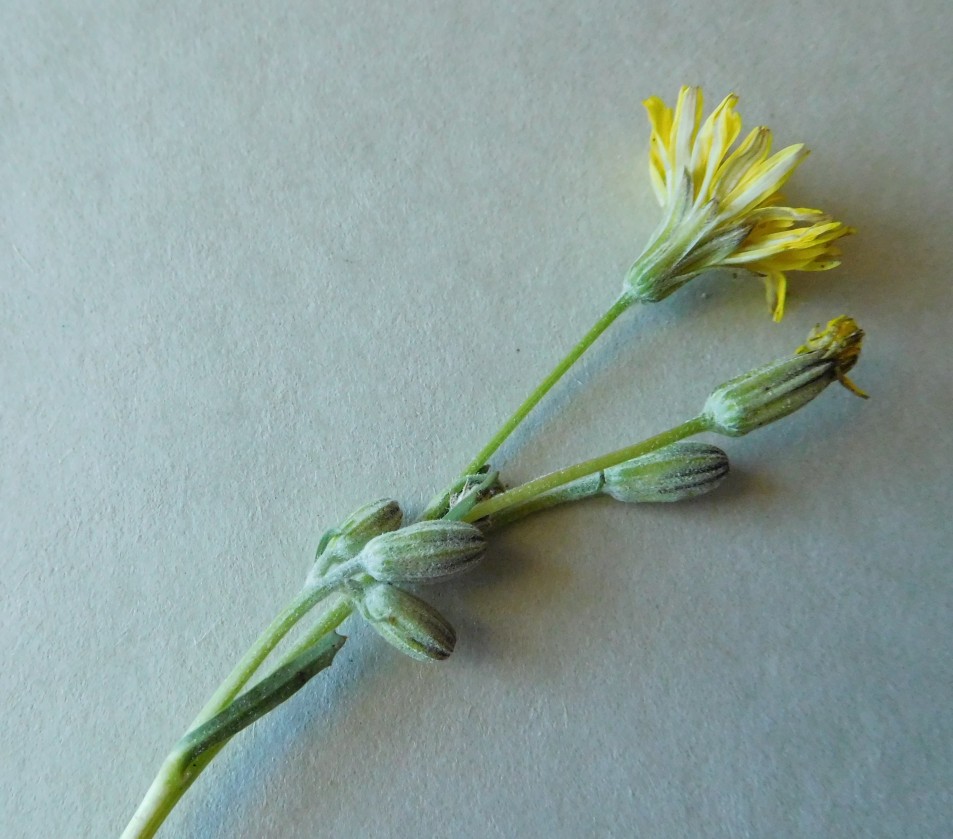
point(262, 262)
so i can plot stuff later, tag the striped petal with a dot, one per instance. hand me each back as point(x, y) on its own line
point(761, 181)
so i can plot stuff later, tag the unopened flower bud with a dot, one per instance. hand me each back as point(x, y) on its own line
point(406, 622)
point(347, 539)
point(365, 523)
point(426, 551)
point(781, 387)
point(674, 473)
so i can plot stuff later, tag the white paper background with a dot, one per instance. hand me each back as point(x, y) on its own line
point(262, 262)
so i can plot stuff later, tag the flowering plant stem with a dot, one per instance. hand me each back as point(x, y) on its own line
point(216, 722)
point(623, 302)
point(229, 710)
point(720, 210)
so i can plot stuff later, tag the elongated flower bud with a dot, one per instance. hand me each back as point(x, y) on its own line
point(422, 552)
point(781, 387)
point(677, 472)
point(406, 622)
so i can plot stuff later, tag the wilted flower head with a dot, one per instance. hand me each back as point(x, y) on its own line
point(722, 204)
point(777, 389)
point(839, 341)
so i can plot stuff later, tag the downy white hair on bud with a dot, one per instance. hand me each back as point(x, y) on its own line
point(347, 539)
point(427, 551)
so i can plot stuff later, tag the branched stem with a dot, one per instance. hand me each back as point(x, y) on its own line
point(623, 302)
point(260, 650)
point(532, 489)
point(229, 710)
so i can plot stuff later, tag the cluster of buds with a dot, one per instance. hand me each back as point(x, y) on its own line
point(426, 552)
point(370, 552)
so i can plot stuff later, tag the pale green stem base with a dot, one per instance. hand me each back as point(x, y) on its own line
point(191, 756)
point(196, 750)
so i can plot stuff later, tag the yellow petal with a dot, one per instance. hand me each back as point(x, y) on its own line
point(761, 181)
point(752, 150)
point(776, 291)
point(788, 214)
point(716, 136)
point(660, 116)
point(688, 112)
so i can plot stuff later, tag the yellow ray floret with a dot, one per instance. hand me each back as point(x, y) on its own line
point(728, 192)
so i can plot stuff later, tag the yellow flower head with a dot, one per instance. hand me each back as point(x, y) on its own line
point(722, 203)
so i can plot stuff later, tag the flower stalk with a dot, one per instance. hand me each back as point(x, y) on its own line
point(721, 206)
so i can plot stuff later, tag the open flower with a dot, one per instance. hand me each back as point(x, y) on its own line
point(722, 204)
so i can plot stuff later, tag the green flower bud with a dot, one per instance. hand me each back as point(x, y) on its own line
point(405, 621)
point(781, 387)
point(674, 473)
point(365, 523)
point(426, 551)
point(346, 541)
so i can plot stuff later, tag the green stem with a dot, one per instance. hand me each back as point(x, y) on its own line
point(528, 491)
point(621, 304)
point(196, 750)
point(576, 490)
point(259, 651)
point(600, 326)
point(176, 774)
point(331, 617)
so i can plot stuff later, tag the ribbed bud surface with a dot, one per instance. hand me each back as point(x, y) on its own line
point(674, 473)
point(423, 552)
point(406, 622)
